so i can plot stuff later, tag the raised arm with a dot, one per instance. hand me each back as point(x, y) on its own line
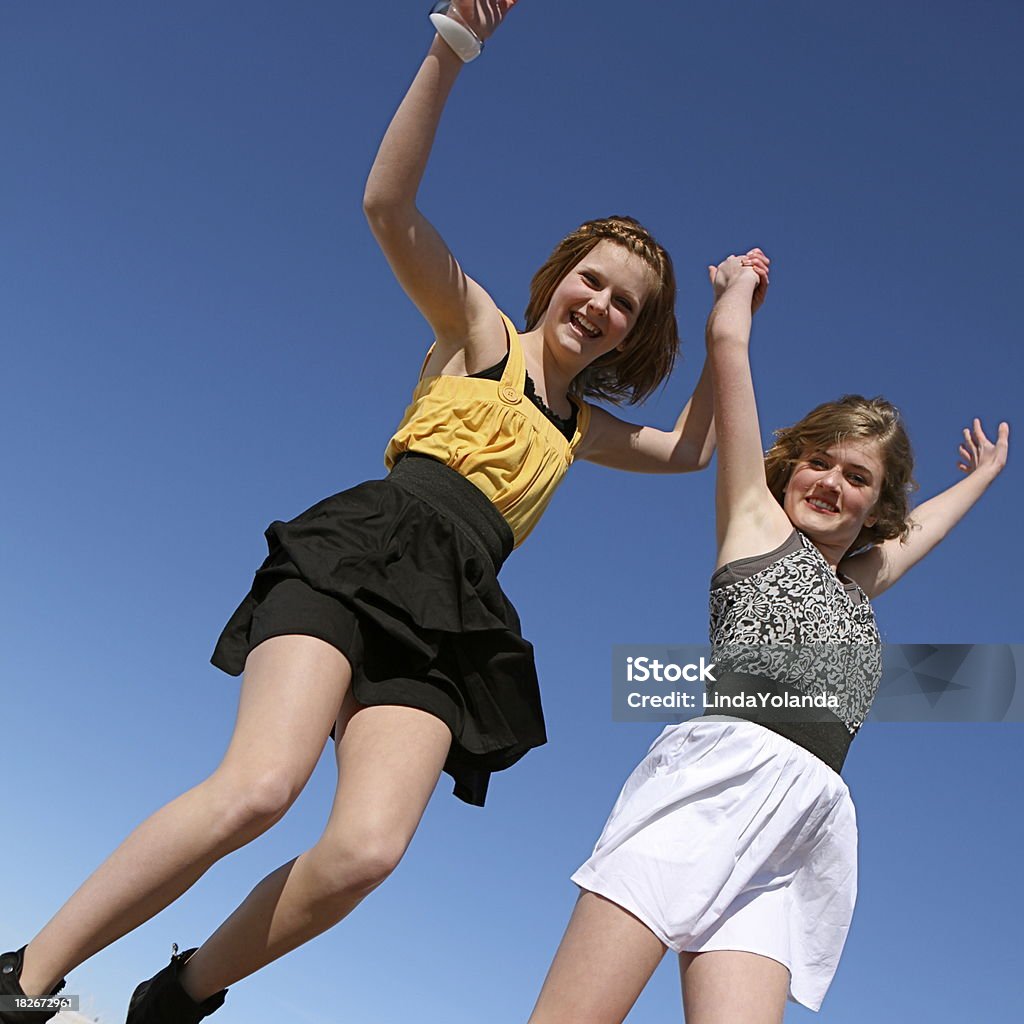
point(749, 520)
point(455, 306)
point(982, 460)
point(689, 445)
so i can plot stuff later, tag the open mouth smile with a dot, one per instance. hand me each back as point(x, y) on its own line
point(822, 506)
point(584, 326)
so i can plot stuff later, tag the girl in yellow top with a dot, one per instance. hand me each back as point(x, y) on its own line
point(377, 616)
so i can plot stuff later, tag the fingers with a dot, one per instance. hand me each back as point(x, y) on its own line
point(749, 257)
point(1002, 446)
point(977, 450)
point(731, 270)
point(1002, 433)
point(756, 254)
point(761, 269)
point(760, 262)
point(482, 16)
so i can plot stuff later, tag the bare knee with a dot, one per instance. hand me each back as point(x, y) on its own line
point(248, 804)
point(353, 866)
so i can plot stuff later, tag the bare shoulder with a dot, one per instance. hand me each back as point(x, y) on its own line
point(869, 570)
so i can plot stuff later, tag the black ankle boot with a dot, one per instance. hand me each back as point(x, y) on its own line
point(10, 985)
point(162, 1000)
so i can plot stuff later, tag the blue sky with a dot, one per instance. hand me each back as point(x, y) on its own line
point(200, 337)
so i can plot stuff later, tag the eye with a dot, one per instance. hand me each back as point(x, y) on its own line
point(858, 480)
point(817, 463)
point(589, 278)
point(625, 304)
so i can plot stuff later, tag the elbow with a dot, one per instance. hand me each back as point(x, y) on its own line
point(700, 461)
point(375, 205)
point(703, 459)
point(389, 221)
point(688, 458)
point(383, 208)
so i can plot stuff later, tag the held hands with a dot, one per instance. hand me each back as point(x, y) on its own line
point(749, 270)
point(482, 17)
point(980, 455)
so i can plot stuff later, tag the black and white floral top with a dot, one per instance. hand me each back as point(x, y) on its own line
point(787, 617)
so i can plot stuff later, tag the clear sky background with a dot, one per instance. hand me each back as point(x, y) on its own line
point(200, 337)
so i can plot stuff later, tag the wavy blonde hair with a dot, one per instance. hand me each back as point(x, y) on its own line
point(632, 374)
point(862, 419)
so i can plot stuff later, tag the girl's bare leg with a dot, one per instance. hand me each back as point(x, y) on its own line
point(389, 759)
point(725, 986)
point(291, 693)
point(606, 958)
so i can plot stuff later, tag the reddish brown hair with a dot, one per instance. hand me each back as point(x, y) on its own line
point(632, 374)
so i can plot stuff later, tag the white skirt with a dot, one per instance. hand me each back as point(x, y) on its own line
point(729, 836)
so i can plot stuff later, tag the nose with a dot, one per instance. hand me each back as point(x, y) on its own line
point(830, 478)
point(599, 302)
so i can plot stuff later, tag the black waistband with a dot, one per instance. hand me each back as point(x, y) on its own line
point(817, 730)
point(448, 492)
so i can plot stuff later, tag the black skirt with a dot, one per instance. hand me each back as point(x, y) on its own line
point(409, 565)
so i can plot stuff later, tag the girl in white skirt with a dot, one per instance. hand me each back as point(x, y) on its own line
point(734, 842)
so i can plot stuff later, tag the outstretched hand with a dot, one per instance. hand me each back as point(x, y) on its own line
point(482, 16)
point(736, 269)
point(979, 454)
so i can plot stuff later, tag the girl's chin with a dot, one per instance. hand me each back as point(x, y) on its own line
point(568, 341)
point(821, 533)
point(577, 339)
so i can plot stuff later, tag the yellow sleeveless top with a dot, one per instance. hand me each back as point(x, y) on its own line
point(492, 434)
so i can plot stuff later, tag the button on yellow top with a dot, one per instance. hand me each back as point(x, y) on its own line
point(484, 430)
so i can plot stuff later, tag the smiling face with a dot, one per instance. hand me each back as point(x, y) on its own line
point(596, 305)
point(866, 438)
point(831, 494)
point(627, 372)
